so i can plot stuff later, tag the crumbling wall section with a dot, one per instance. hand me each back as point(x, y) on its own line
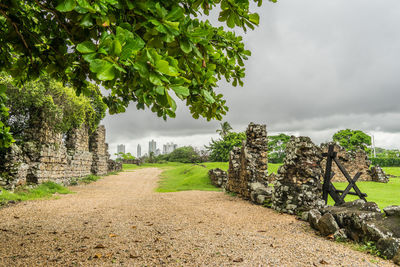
point(50, 157)
point(353, 162)
point(99, 149)
point(247, 174)
point(298, 184)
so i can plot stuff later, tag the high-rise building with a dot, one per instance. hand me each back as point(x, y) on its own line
point(158, 152)
point(121, 149)
point(169, 147)
point(152, 146)
point(139, 151)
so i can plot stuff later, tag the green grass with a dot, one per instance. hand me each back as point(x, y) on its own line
point(395, 171)
point(189, 177)
point(90, 179)
point(45, 190)
point(383, 194)
point(129, 167)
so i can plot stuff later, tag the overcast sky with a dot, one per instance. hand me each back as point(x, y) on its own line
point(316, 67)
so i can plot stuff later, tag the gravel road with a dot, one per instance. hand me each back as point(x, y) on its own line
point(120, 221)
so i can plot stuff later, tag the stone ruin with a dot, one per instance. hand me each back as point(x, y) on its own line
point(362, 222)
point(247, 174)
point(298, 184)
point(298, 190)
point(48, 156)
point(353, 162)
point(218, 177)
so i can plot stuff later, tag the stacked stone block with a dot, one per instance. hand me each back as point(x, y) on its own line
point(298, 184)
point(98, 147)
point(247, 174)
point(218, 177)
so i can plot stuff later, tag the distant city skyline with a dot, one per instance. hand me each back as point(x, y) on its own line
point(160, 147)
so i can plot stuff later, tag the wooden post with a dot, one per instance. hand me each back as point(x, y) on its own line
point(327, 177)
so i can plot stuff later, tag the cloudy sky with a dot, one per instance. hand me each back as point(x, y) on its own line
point(316, 67)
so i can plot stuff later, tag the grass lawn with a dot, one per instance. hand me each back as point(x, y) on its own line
point(181, 177)
point(383, 194)
point(189, 177)
point(45, 190)
point(395, 171)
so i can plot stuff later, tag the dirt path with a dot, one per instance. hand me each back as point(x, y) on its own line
point(131, 225)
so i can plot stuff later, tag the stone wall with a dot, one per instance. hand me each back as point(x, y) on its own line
point(218, 177)
point(247, 174)
point(298, 184)
point(353, 162)
point(362, 222)
point(99, 148)
point(50, 157)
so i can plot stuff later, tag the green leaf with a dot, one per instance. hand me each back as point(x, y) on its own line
point(181, 90)
point(154, 79)
point(107, 74)
point(231, 20)
point(208, 96)
point(86, 21)
point(104, 69)
point(66, 5)
point(162, 66)
point(86, 5)
point(86, 47)
point(89, 57)
point(255, 18)
point(132, 46)
point(160, 90)
point(175, 14)
point(116, 47)
point(186, 46)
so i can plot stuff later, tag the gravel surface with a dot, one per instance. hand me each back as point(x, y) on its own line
point(121, 221)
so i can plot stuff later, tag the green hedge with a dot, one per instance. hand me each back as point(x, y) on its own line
point(386, 162)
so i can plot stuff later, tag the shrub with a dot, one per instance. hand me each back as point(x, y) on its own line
point(186, 154)
point(219, 149)
point(386, 162)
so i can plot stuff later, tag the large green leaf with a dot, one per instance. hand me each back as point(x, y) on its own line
point(116, 47)
point(208, 96)
point(66, 5)
point(186, 46)
point(105, 70)
point(154, 79)
point(86, 47)
point(181, 90)
point(132, 45)
point(255, 18)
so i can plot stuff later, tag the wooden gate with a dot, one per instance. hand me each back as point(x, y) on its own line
point(329, 189)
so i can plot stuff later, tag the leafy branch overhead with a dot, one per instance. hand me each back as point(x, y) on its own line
point(143, 51)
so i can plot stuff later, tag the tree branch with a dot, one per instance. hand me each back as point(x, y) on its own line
point(18, 32)
point(57, 18)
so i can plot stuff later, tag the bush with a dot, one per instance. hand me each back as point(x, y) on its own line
point(186, 154)
point(386, 162)
point(219, 149)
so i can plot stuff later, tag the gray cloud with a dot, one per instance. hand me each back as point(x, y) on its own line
point(316, 67)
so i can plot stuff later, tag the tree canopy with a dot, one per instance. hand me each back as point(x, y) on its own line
point(219, 149)
point(50, 102)
point(276, 147)
point(225, 129)
point(144, 51)
point(352, 140)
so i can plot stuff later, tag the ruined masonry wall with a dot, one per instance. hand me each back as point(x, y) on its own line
point(49, 158)
point(353, 162)
point(298, 184)
point(99, 148)
point(247, 174)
